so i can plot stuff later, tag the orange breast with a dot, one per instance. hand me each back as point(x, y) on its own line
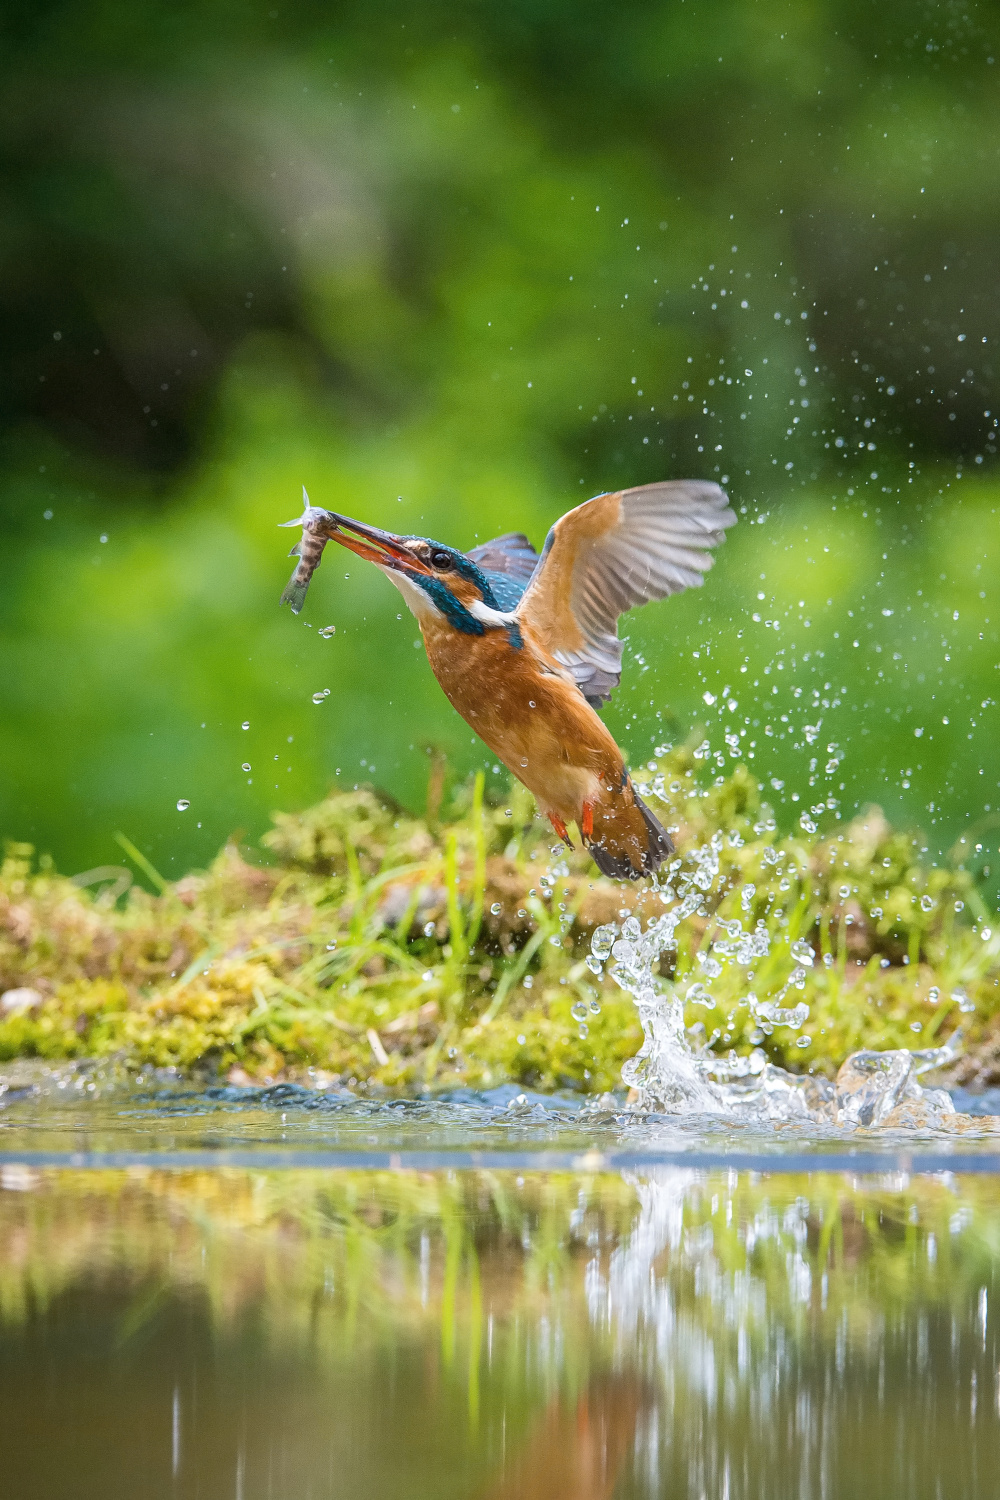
point(532, 718)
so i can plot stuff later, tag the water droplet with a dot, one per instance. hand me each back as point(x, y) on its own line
point(183, 804)
point(579, 1011)
point(603, 940)
point(698, 995)
point(496, 908)
point(927, 903)
point(245, 724)
point(327, 631)
point(521, 1039)
point(802, 953)
point(318, 697)
point(428, 929)
point(427, 975)
point(584, 1031)
point(330, 946)
point(247, 766)
point(595, 1009)
point(531, 703)
point(524, 762)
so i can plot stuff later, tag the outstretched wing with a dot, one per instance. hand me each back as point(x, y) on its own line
point(613, 553)
point(508, 562)
point(511, 553)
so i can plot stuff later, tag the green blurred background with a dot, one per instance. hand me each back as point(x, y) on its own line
point(455, 267)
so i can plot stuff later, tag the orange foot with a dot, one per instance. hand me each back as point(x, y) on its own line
point(587, 820)
point(560, 828)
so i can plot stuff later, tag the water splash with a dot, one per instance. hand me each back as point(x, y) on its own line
point(673, 1075)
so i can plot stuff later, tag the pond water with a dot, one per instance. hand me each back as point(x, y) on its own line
point(272, 1293)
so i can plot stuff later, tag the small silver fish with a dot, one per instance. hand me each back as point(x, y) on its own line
point(318, 526)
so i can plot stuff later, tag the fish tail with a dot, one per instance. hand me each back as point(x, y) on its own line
point(295, 592)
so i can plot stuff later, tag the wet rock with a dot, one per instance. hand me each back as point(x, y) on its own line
point(957, 1124)
point(930, 1110)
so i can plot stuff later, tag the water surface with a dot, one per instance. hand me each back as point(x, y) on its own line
point(180, 1326)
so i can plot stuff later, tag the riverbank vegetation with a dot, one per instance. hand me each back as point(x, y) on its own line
point(363, 946)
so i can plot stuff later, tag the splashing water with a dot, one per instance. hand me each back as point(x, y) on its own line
point(671, 1075)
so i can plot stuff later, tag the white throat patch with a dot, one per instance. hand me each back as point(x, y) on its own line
point(420, 604)
point(489, 616)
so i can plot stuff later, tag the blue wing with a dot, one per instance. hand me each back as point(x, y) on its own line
point(508, 562)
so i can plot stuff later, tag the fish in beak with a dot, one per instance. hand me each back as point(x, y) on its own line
point(322, 526)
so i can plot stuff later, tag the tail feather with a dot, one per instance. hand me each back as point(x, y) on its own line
point(661, 845)
point(624, 845)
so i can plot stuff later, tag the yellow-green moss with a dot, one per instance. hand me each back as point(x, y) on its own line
point(375, 946)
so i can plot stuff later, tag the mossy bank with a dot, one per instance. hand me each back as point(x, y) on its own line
point(364, 946)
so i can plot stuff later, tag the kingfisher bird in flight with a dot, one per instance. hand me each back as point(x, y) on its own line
point(525, 645)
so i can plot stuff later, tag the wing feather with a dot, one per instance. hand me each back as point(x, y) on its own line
point(508, 562)
point(512, 554)
point(611, 554)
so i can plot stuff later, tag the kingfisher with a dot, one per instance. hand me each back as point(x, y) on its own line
point(526, 646)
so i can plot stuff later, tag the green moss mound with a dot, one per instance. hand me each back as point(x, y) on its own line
point(364, 945)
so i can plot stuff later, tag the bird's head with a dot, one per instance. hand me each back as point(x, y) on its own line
point(434, 579)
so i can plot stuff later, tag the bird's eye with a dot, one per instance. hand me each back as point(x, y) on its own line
point(441, 560)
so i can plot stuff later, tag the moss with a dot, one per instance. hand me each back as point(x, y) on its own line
point(367, 945)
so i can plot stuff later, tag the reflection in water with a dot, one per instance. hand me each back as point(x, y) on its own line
point(483, 1335)
point(579, 1447)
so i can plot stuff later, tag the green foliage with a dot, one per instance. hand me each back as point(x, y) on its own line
point(474, 257)
point(378, 948)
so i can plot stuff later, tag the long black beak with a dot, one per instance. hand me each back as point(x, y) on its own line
point(371, 543)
